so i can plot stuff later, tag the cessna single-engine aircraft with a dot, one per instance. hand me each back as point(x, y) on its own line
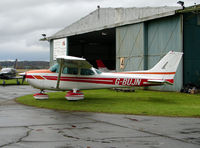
point(74, 74)
point(10, 73)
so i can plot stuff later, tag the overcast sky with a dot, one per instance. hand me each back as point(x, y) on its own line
point(23, 21)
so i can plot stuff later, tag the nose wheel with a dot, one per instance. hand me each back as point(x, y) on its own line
point(41, 96)
point(74, 95)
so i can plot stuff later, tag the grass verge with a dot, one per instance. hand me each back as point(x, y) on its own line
point(12, 82)
point(140, 102)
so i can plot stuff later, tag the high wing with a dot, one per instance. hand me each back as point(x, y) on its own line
point(17, 77)
point(71, 61)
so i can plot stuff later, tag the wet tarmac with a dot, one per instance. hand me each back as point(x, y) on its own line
point(29, 127)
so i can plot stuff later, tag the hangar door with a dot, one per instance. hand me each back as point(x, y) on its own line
point(165, 34)
point(94, 46)
point(130, 47)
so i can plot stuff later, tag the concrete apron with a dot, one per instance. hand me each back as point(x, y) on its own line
point(23, 126)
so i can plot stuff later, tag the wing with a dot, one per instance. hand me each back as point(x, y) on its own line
point(17, 77)
point(71, 61)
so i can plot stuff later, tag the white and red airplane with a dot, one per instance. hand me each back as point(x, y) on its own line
point(74, 74)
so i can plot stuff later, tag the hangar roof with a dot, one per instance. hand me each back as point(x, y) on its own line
point(104, 18)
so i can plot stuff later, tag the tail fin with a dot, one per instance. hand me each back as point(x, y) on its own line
point(101, 66)
point(169, 63)
point(166, 68)
point(15, 64)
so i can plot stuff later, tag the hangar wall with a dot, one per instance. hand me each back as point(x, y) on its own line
point(58, 47)
point(164, 35)
point(142, 45)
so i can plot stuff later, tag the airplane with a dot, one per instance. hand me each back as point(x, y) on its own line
point(75, 74)
point(10, 73)
point(102, 67)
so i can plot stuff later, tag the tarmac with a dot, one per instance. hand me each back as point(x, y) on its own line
point(29, 127)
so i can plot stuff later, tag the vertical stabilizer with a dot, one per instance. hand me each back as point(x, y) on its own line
point(169, 63)
point(15, 64)
point(165, 70)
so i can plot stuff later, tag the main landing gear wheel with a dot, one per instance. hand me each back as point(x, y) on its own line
point(74, 95)
point(41, 96)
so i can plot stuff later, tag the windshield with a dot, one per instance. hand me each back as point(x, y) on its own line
point(98, 71)
point(55, 68)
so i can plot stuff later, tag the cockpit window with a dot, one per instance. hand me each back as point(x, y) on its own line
point(73, 71)
point(55, 68)
point(86, 71)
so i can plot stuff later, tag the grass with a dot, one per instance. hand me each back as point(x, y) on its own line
point(140, 102)
point(12, 82)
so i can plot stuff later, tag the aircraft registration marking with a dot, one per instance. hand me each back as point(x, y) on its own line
point(107, 81)
point(128, 81)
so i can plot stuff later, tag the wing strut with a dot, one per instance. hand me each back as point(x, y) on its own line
point(59, 74)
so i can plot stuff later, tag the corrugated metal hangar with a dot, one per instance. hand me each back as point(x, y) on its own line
point(139, 36)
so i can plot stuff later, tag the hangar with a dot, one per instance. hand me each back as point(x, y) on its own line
point(139, 37)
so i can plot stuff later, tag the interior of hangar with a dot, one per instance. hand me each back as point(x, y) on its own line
point(96, 45)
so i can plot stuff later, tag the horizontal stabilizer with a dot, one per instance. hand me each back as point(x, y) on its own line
point(170, 81)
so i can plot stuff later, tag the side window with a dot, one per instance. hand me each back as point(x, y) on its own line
point(86, 72)
point(67, 70)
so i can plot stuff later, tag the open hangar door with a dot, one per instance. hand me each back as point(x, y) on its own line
point(94, 46)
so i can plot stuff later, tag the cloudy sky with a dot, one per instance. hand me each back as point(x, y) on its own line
point(23, 21)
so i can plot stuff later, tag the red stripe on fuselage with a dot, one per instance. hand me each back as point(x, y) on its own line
point(149, 73)
point(38, 77)
point(108, 81)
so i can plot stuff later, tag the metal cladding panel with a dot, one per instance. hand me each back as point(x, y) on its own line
point(130, 46)
point(164, 35)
